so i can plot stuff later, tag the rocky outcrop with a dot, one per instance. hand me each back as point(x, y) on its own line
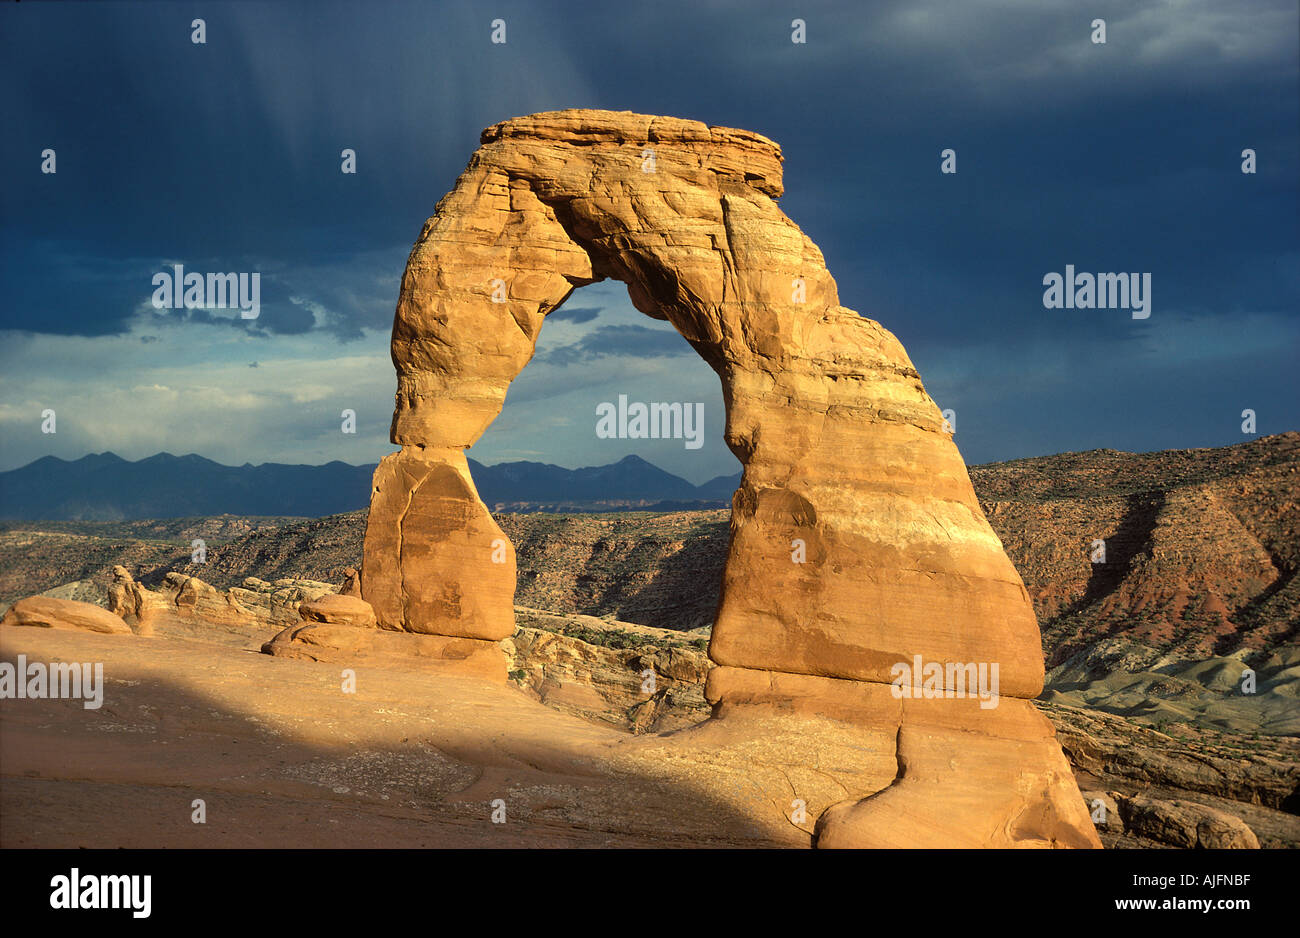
point(1171, 823)
point(188, 600)
point(130, 600)
point(1249, 769)
point(351, 582)
point(1186, 824)
point(276, 602)
point(342, 629)
point(1103, 808)
point(857, 542)
point(45, 612)
point(652, 687)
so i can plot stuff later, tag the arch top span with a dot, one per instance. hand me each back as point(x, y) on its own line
point(725, 150)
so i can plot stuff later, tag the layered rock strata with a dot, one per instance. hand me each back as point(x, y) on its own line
point(187, 599)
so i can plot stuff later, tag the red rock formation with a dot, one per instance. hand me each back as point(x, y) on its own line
point(857, 541)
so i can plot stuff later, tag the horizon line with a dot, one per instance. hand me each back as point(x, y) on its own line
point(515, 462)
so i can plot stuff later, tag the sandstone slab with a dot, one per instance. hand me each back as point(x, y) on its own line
point(47, 613)
point(350, 645)
point(338, 610)
point(966, 776)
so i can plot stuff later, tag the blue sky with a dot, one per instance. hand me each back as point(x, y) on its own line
point(225, 157)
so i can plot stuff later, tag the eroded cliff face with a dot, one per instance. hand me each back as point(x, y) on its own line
point(857, 542)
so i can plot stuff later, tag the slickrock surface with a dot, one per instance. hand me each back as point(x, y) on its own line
point(283, 756)
point(357, 645)
point(593, 668)
point(857, 541)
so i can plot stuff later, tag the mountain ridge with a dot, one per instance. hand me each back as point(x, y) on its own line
point(106, 487)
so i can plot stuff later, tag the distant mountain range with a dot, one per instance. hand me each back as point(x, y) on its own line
point(106, 487)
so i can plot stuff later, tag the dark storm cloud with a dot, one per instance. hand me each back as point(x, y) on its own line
point(231, 149)
point(1116, 157)
point(619, 340)
point(67, 288)
point(575, 314)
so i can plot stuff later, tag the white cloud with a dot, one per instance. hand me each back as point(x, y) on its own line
point(192, 390)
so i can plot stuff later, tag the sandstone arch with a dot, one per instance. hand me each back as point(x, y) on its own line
point(842, 449)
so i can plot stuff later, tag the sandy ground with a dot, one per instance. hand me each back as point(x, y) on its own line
point(282, 756)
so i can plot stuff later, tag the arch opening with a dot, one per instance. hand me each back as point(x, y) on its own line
point(646, 522)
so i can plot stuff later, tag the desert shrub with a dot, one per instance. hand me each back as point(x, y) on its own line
point(611, 638)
